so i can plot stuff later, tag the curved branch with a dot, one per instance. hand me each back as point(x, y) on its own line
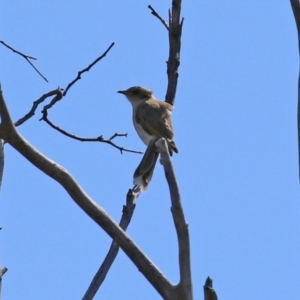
point(82, 139)
point(57, 92)
point(58, 96)
point(9, 133)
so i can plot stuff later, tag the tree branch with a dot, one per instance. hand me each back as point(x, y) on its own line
point(58, 95)
point(98, 279)
point(27, 57)
point(9, 133)
point(209, 292)
point(175, 30)
point(296, 10)
point(100, 275)
point(155, 14)
point(82, 139)
point(185, 284)
point(87, 69)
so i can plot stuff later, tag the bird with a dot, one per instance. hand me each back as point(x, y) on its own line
point(152, 121)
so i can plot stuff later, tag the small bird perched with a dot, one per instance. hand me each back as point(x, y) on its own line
point(152, 121)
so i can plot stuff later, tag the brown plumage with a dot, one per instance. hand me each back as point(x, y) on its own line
point(152, 121)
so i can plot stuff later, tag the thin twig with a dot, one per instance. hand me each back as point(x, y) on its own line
point(27, 57)
point(98, 279)
point(82, 139)
point(58, 96)
point(87, 69)
point(296, 10)
point(154, 13)
point(57, 92)
point(18, 52)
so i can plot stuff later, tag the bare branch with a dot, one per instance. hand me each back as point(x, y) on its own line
point(155, 14)
point(27, 57)
point(175, 30)
point(296, 10)
point(209, 292)
point(87, 69)
point(82, 139)
point(128, 210)
point(118, 134)
point(18, 52)
point(57, 92)
point(58, 96)
point(9, 133)
point(184, 288)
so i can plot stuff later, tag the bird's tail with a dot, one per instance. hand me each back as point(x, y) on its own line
point(143, 173)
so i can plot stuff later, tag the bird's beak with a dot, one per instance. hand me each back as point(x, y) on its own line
point(122, 92)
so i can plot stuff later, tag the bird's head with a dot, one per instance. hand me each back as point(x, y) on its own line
point(137, 94)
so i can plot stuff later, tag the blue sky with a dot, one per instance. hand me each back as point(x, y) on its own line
point(235, 125)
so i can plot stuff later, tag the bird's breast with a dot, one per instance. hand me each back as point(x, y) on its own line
point(145, 137)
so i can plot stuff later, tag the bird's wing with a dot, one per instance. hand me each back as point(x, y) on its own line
point(155, 118)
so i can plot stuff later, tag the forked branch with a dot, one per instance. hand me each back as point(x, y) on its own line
point(27, 57)
point(155, 14)
point(84, 139)
point(9, 133)
point(58, 95)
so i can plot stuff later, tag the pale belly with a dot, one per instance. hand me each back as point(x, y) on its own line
point(145, 137)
